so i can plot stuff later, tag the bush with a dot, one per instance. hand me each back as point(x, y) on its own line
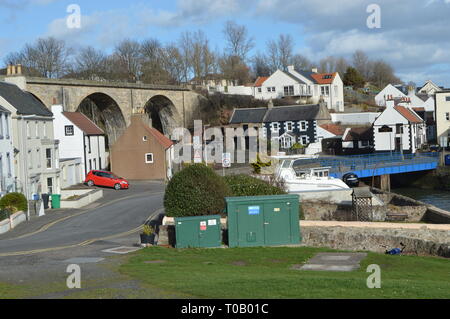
point(244, 185)
point(195, 191)
point(14, 202)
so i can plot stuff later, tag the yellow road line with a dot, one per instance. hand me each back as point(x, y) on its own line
point(82, 244)
point(47, 226)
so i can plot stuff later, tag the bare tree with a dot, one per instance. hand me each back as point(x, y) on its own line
point(49, 57)
point(90, 64)
point(239, 43)
point(361, 63)
point(300, 62)
point(327, 65)
point(128, 56)
point(383, 74)
point(280, 52)
point(260, 65)
point(341, 66)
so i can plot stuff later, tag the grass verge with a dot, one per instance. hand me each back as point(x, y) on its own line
point(266, 273)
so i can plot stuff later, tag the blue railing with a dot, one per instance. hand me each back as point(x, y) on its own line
point(341, 164)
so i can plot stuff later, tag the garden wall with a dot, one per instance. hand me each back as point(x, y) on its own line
point(13, 221)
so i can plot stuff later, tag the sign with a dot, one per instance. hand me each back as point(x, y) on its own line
point(212, 222)
point(277, 210)
point(197, 156)
point(254, 210)
point(203, 226)
point(226, 160)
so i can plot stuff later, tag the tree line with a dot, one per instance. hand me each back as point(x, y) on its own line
point(190, 57)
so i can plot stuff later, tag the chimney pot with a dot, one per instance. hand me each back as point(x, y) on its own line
point(314, 70)
point(13, 69)
point(19, 69)
point(8, 70)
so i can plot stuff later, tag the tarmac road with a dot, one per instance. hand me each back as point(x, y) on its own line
point(119, 212)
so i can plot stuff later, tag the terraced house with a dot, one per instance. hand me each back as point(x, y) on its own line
point(35, 150)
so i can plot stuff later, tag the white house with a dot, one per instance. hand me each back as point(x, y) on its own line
point(399, 128)
point(443, 118)
point(79, 139)
point(6, 153)
point(36, 151)
point(389, 91)
point(429, 88)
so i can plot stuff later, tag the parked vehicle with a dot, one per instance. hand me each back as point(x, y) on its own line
point(108, 179)
point(351, 179)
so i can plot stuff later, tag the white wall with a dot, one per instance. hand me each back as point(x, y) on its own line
point(386, 141)
point(363, 118)
point(7, 172)
point(380, 98)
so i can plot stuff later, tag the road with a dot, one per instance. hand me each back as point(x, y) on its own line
point(38, 256)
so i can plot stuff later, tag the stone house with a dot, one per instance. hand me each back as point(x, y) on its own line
point(142, 152)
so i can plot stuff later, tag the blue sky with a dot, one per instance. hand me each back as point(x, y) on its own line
point(413, 36)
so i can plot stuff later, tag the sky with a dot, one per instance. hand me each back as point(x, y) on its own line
point(412, 35)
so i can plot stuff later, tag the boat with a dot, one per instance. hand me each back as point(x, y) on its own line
point(299, 179)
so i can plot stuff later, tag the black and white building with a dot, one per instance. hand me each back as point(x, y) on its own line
point(288, 124)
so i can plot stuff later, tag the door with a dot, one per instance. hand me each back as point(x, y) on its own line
point(277, 223)
point(187, 234)
point(398, 144)
point(250, 225)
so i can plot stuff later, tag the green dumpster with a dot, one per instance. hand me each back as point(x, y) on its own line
point(263, 220)
point(198, 232)
point(56, 201)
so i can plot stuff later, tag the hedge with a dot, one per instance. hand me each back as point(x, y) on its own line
point(14, 202)
point(244, 185)
point(195, 191)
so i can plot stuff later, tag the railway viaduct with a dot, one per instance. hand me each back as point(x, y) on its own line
point(111, 104)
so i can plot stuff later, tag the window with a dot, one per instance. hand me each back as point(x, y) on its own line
point(290, 126)
point(447, 116)
point(447, 98)
point(38, 158)
point(89, 144)
point(69, 130)
point(399, 129)
point(99, 163)
point(303, 126)
point(50, 185)
point(36, 129)
point(275, 127)
point(8, 164)
point(149, 158)
point(289, 90)
point(90, 165)
point(7, 126)
point(259, 90)
point(269, 89)
point(304, 140)
point(364, 143)
point(286, 141)
point(48, 157)
point(325, 90)
point(30, 159)
point(145, 138)
point(274, 89)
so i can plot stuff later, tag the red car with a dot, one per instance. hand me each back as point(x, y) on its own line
point(108, 179)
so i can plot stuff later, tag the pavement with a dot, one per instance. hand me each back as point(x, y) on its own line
point(35, 255)
point(334, 262)
point(313, 223)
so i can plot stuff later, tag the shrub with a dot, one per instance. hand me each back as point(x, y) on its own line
point(14, 202)
point(259, 164)
point(244, 185)
point(195, 191)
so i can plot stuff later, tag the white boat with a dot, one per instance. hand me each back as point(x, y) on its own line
point(300, 180)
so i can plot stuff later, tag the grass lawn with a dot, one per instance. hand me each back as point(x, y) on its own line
point(266, 273)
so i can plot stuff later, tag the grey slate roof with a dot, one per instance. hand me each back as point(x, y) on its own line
point(297, 113)
point(281, 114)
point(25, 103)
point(255, 115)
point(307, 74)
point(294, 77)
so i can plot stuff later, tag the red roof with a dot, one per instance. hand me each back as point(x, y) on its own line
point(408, 114)
point(159, 137)
point(83, 123)
point(324, 78)
point(260, 80)
point(333, 128)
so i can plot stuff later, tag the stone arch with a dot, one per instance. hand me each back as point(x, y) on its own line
point(163, 113)
point(104, 111)
point(38, 98)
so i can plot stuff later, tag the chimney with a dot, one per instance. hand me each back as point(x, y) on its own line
point(19, 69)
point(270, 105)
point(390, 102)
point(8, 70)
point(291, 68)
point(314, 70)
point(13, 70)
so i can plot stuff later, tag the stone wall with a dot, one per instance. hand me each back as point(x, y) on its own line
point(418, 241)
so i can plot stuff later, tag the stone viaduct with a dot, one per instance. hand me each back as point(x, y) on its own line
point(110, 104)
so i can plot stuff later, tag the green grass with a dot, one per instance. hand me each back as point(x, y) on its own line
point(266, 273)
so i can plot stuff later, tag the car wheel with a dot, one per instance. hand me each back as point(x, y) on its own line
point(117, 187)
point(90, 183)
